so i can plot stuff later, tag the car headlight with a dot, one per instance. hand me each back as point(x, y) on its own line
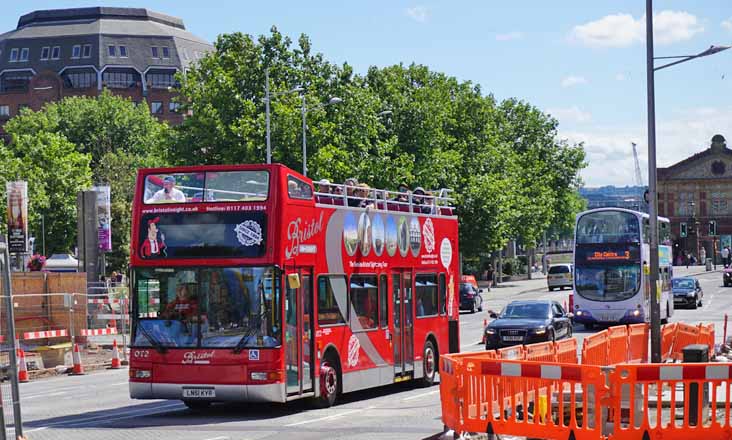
point(539, 331)
point(690, 294)
point(490, 331)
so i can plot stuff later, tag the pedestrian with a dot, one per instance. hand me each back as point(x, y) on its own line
point(725, 256)
point(702, 256)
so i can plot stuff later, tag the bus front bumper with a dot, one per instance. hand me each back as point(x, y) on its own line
point(274, 392)
point(630, 317)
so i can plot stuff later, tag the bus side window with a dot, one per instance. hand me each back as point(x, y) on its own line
point(331, 291)
point(383, 302)
point(443, 294)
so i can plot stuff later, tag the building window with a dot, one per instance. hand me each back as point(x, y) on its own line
point(76, 52)
point(156, 108)
point(364, 302)
point(173, 107)
point(118, 80)
point(166, 52)
point(426, 293)
point(87, 51)
point(4, 111)
point(112, 51)
point(15, 82)
point(13, 55)
point(56, 52)
point(161, 80)
point(155, 53)
point(80, 80)
point(24, 54)
point(45, 53)
point(332, 299)
point(123, 51)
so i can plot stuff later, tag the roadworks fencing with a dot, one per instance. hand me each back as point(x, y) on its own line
point(523, 391)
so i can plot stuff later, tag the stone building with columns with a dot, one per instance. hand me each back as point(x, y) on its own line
point(696, 195)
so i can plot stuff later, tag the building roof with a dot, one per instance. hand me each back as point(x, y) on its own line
point(693, 167)
point(136, 29)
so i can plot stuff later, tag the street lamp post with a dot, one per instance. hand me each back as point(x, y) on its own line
point(332, 101)
point(652, 176)
point(267, 98)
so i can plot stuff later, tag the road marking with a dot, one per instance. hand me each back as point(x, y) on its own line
point(121, 383)
point(334, 416)
point(43, 395)
point(418, 396)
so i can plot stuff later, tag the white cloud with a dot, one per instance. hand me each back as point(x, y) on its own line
point(570, 115)
point(510, 36)
point(620, 77)
point(420, 14)
point(623, 30)
point(573, 80)
point(609, 151)
point(727, 24)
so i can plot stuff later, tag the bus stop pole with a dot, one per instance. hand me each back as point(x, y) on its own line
point(13, 373)
point(652, 196)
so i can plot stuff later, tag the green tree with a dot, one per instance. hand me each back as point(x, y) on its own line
point(55, 171)
point(118, 137)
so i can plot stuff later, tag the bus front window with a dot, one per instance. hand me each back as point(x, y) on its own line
point(207, 308)
point(608, 227)
point(608, 282)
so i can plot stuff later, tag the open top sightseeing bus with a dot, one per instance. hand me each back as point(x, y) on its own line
point(250, 285)
point(611, 265)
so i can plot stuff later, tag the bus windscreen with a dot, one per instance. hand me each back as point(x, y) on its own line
point(608, 227)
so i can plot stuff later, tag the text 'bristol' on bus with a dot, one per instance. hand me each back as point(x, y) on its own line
point(249, 285)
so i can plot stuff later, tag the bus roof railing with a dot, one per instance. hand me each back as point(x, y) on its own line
point(428, 203)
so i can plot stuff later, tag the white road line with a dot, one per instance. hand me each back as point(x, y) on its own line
point(419, 396)
point(120, 383)
point(708, 303)
point(43, 395)
point(334, 416)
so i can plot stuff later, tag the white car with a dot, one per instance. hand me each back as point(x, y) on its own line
point(560, 276)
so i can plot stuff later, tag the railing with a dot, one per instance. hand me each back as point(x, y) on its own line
point(354, 195)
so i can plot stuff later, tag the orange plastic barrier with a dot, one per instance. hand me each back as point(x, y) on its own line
point(451, 383)
point(566, 351)
point(595, 349)
point(638, 343)
point(668, 336)
point(685, 335)
point(617, 350)
point(706, 337)
point(533, 407)
point(515, 353)
point(696, 401)
point(542, 351)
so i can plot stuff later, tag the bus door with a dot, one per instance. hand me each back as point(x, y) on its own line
point(403, 313)
point(298, 331)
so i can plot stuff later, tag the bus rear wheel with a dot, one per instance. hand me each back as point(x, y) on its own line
point(429, 362)
point(329, 383)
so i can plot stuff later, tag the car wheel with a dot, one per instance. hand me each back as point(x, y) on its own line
point(569, 331)
point(551, 337)
point(695, 304)
point(429, 360)
point(472, 307)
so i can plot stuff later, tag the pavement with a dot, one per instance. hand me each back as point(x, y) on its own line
point(97, 406)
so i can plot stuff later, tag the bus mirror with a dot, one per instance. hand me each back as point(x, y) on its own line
point(293, 280)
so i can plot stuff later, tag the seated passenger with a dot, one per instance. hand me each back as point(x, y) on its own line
point(169, 193)
point(351, 187)
point(362, 195)
point(323, 191)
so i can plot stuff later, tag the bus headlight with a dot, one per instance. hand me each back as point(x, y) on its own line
point(578, 313)
point(636, 312)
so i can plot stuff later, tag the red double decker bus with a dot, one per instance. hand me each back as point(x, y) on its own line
point(250, 285)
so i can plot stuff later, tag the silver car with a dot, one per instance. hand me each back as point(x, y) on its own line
point(560, 276)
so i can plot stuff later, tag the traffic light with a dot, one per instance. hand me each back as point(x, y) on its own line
point(712, 227)
point(684, 231)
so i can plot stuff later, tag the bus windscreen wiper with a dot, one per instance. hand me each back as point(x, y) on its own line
point(160, 348)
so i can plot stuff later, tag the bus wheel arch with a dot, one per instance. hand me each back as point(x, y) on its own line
point(430, 361)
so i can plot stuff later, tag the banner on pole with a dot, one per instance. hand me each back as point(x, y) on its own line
point(104, 217)
point(17, 193)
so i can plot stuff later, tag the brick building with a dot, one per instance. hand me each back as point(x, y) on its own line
point(70, 52)
point(696, 195)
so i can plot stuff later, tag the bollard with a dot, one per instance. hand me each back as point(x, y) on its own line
point(724, 338)
point(696, 353)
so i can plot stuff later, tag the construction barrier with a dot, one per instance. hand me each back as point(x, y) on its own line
point(566, 351)
point(617, 351)
point(542, 351)
point(674, 337)
point(516, 352)
point(706, 337)
point(595, 349)
point(638, 343)
point(668, 334)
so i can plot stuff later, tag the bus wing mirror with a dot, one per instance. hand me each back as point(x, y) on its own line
point(293, 280)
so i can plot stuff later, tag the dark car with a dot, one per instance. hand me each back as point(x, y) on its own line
point(727, 276)
point(527, 322)
point(470, 298)
point(687, 292)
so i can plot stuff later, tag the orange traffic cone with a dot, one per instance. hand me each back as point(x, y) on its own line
point(22, 368)
point(78, 368)
point(115, 357)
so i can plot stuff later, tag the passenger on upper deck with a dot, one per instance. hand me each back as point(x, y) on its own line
point(353, 199)
point(403, 193)
point(421, 202)
point(362, 195)
point(169, 193)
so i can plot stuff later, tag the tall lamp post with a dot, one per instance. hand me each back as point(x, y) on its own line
point(332, 101)
point(267, 99)
point(652, 177)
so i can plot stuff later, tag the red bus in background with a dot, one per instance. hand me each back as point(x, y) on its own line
point(248, 285)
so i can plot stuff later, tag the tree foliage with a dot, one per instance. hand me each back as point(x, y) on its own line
point(512, 176)
point(116, 136)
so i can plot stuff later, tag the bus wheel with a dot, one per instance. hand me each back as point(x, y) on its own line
point(328, 384)
point(429, 362)
point(197, 405)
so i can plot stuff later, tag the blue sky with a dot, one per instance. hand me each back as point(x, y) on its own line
point(584, 62)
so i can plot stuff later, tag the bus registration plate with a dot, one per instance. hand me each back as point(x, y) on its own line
point(199, 393)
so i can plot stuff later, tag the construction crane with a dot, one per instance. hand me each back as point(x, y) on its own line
point(638, 176)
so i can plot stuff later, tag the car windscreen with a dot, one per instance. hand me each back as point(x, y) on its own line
point(526, 311)
point(558, 269)
point(682, 284)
